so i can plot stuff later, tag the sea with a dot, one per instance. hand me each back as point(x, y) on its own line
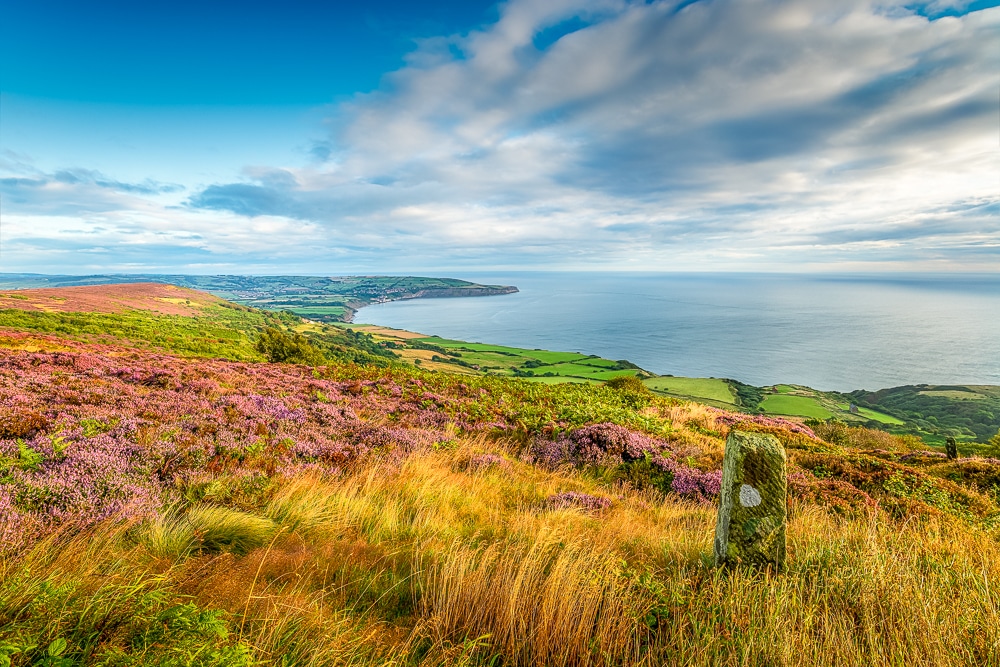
point(829, 332)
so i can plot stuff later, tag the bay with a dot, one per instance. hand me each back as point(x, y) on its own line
point(830, 332)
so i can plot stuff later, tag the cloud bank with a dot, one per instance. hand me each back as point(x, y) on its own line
point(715, 134)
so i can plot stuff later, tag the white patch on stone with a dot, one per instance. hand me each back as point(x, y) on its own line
point(749, 496)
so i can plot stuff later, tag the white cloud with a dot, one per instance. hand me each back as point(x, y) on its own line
point(738, 134)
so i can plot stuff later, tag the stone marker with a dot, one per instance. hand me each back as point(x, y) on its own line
point(951, 447)
point(752, 513)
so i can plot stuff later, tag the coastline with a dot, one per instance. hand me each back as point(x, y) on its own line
point(351, 308)
point(880, 410)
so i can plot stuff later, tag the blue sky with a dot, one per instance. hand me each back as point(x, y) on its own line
point(391, 137)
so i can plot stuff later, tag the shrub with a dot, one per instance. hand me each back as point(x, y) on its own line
point(21, 423)
point(633, 392)
point(482, 462)
point(628, 383)
point(859, 437)
point(994, 445)
point(289, 348)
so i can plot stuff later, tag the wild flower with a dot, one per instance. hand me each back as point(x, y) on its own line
point(690, 482)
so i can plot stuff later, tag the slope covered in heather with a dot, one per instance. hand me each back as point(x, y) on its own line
point(164, 509)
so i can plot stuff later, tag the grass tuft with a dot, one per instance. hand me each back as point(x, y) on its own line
point(208, 528)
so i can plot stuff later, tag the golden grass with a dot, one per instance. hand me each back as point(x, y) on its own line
point(422, 563)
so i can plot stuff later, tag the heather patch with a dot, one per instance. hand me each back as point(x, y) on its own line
point(643, 461)
point(902, 489)
point(731, 419)
point(598, 444)
point(690, 482)
point(111, 431)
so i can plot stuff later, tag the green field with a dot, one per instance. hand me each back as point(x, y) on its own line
point(936, 412)
point(561, 379)
point(545, 356)
point(539, 365)
point(704, 388)
point(570, 368)
point(309, 311)
point(955, 394)
point(879, 417)
point(795, 406)
point(872, 414)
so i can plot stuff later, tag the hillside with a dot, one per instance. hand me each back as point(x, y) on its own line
point(323, 299)
point(180, 320)
point(941, 410)
point(154, 297)
point(165, 505)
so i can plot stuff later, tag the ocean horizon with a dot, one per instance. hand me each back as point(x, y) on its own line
point(827, 331)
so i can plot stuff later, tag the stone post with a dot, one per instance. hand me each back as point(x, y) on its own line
point(752, 511)
point(951, 447)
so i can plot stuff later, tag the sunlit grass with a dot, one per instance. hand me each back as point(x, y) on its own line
point(430, 562)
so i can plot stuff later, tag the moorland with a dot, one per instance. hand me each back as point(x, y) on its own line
point(968, 413)
point(190, 481)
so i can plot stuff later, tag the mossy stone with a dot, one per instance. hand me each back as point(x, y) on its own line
point(752, 505)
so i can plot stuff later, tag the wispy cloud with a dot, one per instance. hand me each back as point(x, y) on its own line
point(25, 189)
point(750, 134)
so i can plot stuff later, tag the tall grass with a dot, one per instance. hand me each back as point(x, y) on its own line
point(430, 562)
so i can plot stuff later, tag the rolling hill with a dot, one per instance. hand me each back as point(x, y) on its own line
point(169, 496)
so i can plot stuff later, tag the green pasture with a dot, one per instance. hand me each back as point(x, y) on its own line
point(599, 362)
point(545, 356)
point(493, 358)
point(317, 310)
point(460, 346)
point(549, 357)
point(955, 394)
point(569, 369)
point(707, 388)
point(795, 406)
point(875, 415)
point(607, 375)
point(880, 417)
point(560, 379)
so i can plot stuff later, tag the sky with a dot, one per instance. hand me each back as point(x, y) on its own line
point(401, 137)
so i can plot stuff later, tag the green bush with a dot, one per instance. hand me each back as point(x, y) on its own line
point(290, 348)
point(993, 448)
